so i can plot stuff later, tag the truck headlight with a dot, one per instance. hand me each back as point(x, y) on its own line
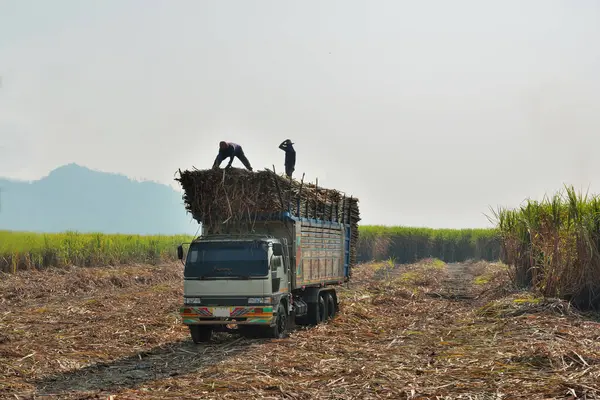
point(259, 300)
point(192, 300)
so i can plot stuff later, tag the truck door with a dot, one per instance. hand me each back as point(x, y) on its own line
point(279, 268)
point(287, 263)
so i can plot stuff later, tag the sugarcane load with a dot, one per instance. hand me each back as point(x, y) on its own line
point(230, 201)
point(271, 253)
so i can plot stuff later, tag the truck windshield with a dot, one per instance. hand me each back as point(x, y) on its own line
point(223, 259)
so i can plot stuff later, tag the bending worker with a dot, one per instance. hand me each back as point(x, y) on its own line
point(290, 156)
point(228, 149)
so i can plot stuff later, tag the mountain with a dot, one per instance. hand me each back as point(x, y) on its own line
point(77, 198)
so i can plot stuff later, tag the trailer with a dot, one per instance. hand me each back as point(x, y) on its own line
point(285, 272)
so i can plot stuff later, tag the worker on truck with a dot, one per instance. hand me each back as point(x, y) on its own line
point(290, 156)
point(231, 150)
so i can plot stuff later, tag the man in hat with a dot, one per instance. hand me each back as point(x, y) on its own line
point(290, 156)
point(231, 150)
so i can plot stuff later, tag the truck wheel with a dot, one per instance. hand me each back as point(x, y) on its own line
point(200, 333)
point(324, 310)
point(281, 322)
point(317, 312)
point(330, 305)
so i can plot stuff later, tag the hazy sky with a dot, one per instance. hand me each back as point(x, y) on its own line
point(428, 111)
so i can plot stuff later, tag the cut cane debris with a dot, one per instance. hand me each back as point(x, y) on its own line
point(382, 344)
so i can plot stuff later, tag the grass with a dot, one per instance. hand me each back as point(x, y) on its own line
point(392, 245)
point(23, 250)
point(407, 244)
point(482, 279)
point(553, 246)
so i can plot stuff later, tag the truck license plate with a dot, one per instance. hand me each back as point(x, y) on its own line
point(221, 312)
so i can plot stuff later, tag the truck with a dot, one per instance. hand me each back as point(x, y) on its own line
point(282, 273)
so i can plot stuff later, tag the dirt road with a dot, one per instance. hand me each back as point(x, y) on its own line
point(420, 331)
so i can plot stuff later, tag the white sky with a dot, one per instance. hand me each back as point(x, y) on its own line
point(428, 111)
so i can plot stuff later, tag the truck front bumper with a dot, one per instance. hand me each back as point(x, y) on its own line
point(192, 315)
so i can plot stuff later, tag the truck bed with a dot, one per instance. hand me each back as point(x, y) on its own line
point(321, 251)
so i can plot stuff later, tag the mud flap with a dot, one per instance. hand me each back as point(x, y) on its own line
point(291, 321)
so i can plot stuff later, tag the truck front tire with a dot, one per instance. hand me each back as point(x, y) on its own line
point(200, 333)
point(281, 323)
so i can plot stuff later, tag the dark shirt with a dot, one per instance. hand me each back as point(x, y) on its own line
point(290, 154)
point(232, 150)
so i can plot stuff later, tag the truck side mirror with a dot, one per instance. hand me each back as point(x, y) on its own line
point(277, 249)
point(180, 252)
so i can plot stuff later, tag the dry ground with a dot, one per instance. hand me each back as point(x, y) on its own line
point(420, 331)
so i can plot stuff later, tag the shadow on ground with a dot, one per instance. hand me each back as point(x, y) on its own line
point(179, 358)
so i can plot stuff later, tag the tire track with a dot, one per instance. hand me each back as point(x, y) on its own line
point(458, 284)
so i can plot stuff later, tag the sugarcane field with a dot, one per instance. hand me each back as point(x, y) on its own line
point(299, 200)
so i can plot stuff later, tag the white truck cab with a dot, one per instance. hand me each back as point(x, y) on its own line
point(235, 281)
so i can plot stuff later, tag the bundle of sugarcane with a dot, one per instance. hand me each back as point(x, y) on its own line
point(217, 198)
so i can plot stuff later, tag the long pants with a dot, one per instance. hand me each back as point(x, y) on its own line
point(289, 170)
point(242, 157)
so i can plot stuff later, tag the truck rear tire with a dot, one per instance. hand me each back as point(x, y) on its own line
point(200, 333)
point(317, 312)
point(330, 305)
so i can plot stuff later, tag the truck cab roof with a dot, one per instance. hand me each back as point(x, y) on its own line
point(236, 238)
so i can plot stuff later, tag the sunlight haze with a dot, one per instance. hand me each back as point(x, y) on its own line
point(429, 112)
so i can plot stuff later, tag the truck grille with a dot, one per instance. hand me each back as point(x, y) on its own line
point(224, 301)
